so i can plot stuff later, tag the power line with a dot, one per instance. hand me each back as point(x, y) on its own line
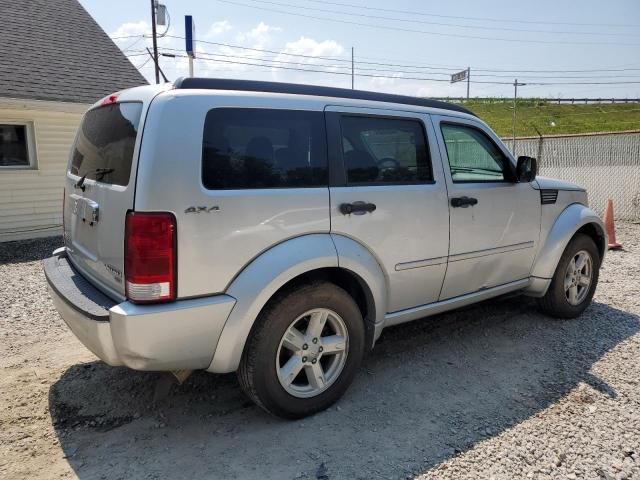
point(425, 32)
point(485, 69)
point(263, 59)
point(456, 68)
point(559, 76)
point(484, 19)
point(144, 63)
point(126, 36)
point(205, 58)
point(133, 44)
point(443, 24)
point(299, 63)
point(360, 69)
point(267, 51)
point(564, 71)
point(407, 65)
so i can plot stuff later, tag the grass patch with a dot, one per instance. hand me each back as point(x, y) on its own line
point(554, 119)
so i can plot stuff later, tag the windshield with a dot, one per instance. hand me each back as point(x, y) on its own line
point(104, 147)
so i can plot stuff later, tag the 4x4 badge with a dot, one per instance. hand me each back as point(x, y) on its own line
point(215, 208)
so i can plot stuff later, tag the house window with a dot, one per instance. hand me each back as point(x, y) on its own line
point(17, 149)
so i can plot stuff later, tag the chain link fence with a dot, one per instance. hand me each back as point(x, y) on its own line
point(607, 165)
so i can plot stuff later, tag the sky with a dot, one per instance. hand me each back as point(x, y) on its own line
point(559, 48)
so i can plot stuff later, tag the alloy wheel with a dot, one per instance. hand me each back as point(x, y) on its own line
point(578, 277)
point(312, 353)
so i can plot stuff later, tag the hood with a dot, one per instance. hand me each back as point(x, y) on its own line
point(555, 184)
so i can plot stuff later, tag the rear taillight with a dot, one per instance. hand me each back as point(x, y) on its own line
point(150, 258)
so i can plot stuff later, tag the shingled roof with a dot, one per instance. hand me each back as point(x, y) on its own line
point(54, 50)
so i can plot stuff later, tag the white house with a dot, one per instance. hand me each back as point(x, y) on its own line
point(55, 61)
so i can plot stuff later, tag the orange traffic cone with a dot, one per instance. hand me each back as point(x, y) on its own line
point(610, 227)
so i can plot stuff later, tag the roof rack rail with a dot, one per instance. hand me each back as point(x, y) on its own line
point(299, 89)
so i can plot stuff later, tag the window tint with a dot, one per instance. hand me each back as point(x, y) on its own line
point(383, 150)
point(254, 148)
point(104, 147)
point(13, 146)
point(473, 157)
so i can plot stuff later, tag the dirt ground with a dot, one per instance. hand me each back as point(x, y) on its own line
point(493, 391)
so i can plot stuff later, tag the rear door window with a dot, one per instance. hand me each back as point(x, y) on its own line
point(379, 151)
point(246, 148)
point(104, 146)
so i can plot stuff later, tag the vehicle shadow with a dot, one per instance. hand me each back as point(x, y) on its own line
point(31, 250)
point(429, 390)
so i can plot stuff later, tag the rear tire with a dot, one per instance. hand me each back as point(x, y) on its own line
point(304, 351)
point(574, 281)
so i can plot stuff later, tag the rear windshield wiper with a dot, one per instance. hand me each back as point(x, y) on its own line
point(101, 172)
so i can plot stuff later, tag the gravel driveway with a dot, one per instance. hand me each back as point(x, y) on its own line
point(492, 391)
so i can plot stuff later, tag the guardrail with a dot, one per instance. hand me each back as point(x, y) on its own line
point(557, 101)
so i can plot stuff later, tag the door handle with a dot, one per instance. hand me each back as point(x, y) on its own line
point(463, 202)
point(357, 208)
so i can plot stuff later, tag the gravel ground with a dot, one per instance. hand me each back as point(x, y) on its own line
point(492, 391)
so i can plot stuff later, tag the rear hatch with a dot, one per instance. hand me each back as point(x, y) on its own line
point(100, 189)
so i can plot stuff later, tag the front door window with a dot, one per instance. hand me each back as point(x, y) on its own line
point(473, 157)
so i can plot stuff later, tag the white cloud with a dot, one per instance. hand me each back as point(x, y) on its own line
point(422, 91)
point(311, 47)
point(396, 84)
point(260, 36)
point(385, 82)
point(218, 28)
point(130, 29)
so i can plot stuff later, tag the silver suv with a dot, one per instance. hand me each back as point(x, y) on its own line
point(276, 229)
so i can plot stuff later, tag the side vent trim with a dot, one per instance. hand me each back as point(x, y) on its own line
point(548, 197)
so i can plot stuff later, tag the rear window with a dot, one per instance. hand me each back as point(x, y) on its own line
point(256, 148)
point(104, 147)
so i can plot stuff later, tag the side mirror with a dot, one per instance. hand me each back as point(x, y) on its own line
point(526, 169)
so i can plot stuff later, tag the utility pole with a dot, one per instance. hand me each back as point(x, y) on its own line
point(155, 42)
point(468, 81)
point(352, 73)
point(158, 65)
point(515, 100)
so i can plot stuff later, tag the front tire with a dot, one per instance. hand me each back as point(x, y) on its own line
point(304, 351)
point(574, 281)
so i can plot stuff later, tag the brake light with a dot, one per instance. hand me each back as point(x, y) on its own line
point(108, 100)
point(150, 268)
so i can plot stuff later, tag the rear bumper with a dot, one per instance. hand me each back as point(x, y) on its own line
point(168, 336)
